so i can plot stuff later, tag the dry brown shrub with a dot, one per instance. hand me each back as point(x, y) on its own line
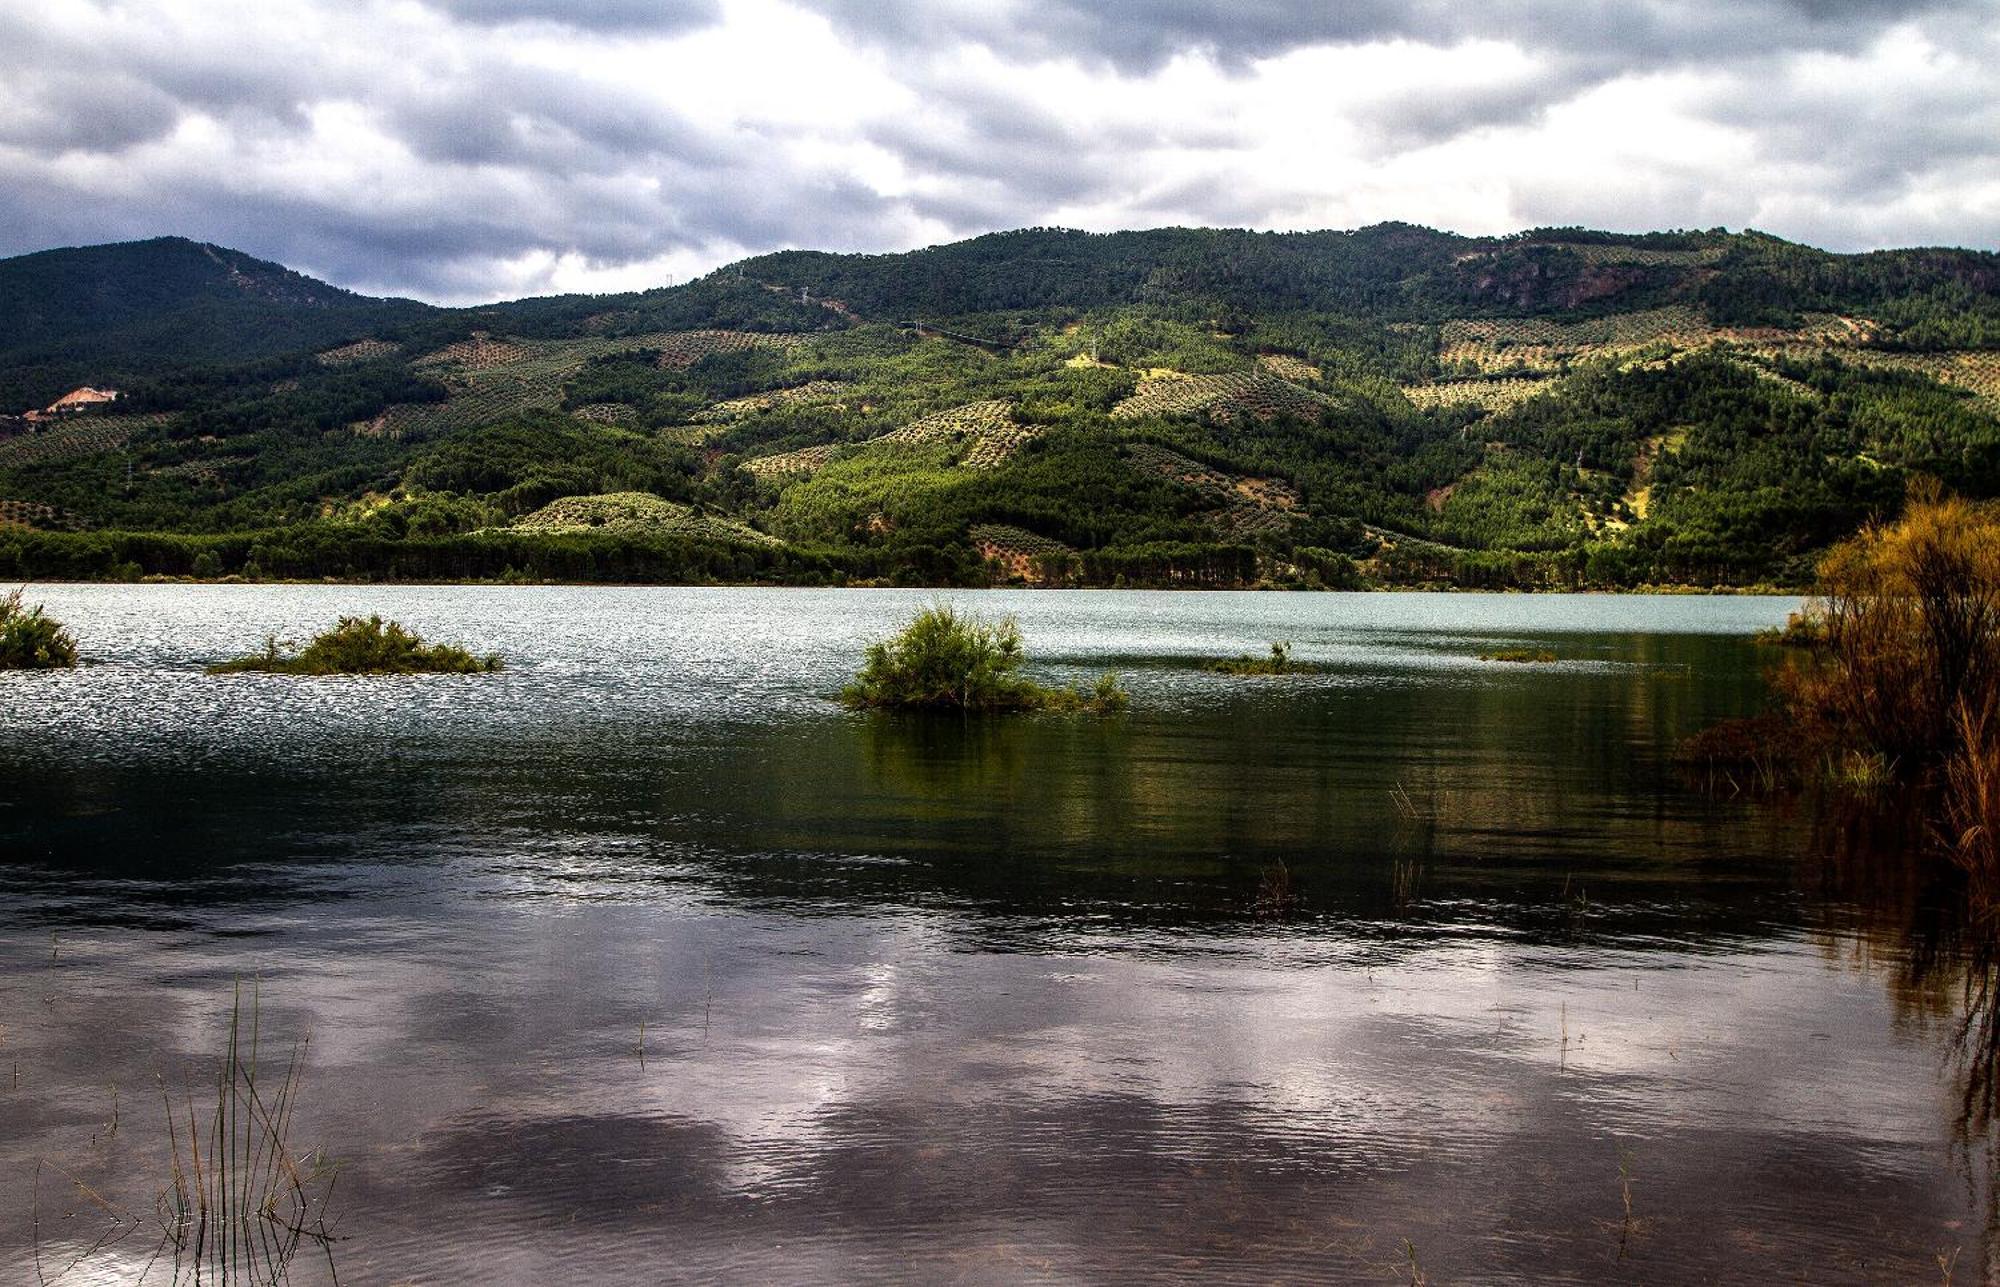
point(1912, 654)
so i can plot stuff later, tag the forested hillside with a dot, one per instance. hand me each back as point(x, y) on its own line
point(1183, 407)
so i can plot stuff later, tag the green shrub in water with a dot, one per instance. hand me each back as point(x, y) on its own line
point(1524, 656)
point(1278, 663)
point(947, 660)
point(32, 640)
point(363, 646)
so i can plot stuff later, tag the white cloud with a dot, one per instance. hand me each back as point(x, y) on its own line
point(474, 149)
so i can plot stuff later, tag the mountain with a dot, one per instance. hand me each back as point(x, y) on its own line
point(119, 311)
point(1180, 406)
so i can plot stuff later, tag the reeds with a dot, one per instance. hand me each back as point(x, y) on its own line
point(1275, 895)
point(1971, 826)
point(1407, 808)
point(1416, 1268)
point(240, 1203)
point(1406, 880)
point(1751, 754)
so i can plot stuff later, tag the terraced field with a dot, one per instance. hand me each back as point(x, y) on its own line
point(734, 409)
point(1488, 395)
point(73, 438)
point(20, 513)
point(788, 463)
point(1242, 520)
point(992, 449)
point(1287, 367)
point(359, 351)
point(1786, 382)
point(638, 513)
point(480, 353)
point(1221, 399)
point(1976, 371)
point(971, 420)
point(491, 379)
point(207, 471)
point(680, 349)
point(607, 413)
point(1168, 463)
point(1021, 554)
point(476, 400)
point(1244, 506)
point(1490, 345)
point(1591, 253)
point(987, 429)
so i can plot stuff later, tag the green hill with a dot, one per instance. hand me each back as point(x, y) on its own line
point(111, 313)
point(1173, 407)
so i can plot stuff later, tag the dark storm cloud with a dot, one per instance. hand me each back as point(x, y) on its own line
point(106, 113)
point(1416, 117)
point(542, 121)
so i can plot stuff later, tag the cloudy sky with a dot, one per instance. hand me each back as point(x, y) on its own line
point(462, 150)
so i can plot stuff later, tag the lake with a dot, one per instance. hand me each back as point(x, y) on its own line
point(643, 960)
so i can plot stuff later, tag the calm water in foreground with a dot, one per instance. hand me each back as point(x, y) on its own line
point(644, 961)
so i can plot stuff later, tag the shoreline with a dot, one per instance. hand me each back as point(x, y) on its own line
point(1759, 590)
point(1642, 591)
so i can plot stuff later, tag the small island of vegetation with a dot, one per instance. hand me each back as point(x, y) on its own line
point(1279, 662)
point(362, 646)
point(1524, 656)
point(945, 660)
point(32, 640)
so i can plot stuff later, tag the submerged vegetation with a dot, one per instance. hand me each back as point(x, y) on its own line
point(32, 640)
point(1278, 662)
point(947, 660)
point(362, 646)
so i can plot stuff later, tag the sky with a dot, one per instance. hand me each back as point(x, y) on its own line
point(469, 150)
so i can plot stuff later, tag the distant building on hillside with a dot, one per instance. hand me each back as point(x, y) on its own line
point(78, 399)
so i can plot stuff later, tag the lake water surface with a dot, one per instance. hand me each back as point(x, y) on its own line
point(643, 960)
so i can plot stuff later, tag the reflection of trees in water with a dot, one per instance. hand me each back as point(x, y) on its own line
point(945, 757)
point(1897, 907)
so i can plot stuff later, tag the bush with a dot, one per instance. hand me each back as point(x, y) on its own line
point(31, 640)
point(1909, 656)
point(947, 660)
point(1897, 684)
point(359, 646)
